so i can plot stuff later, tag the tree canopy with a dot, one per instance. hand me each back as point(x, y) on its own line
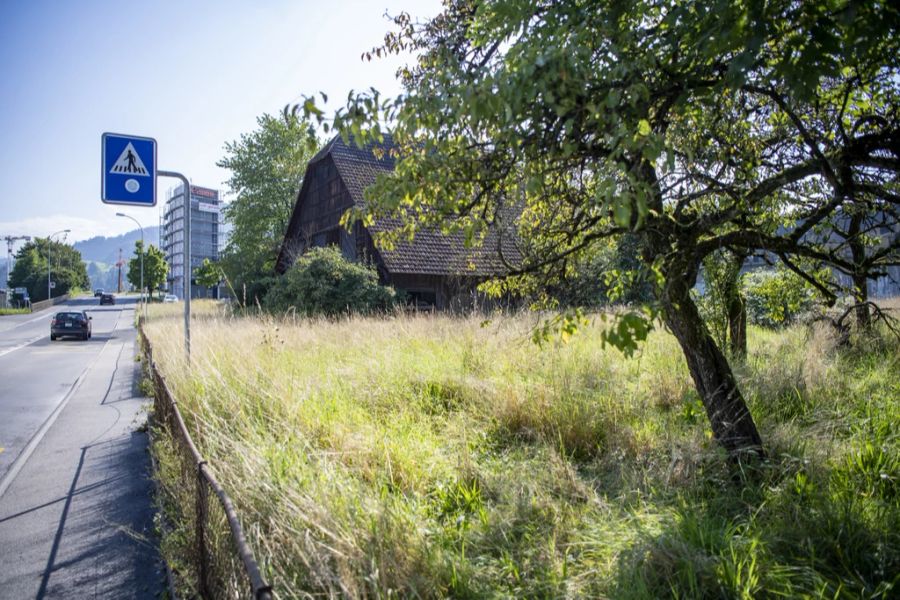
point(155, 267)
point(696, 126)
point(208, 274)
point(67, 270)
point(267, 167)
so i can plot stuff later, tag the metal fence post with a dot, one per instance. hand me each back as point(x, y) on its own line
point(201, 532)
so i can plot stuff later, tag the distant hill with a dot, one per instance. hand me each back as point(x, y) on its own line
point(101, 253)
point(106, 249)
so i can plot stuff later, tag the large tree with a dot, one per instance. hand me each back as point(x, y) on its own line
point(67, 270)
point(696, 125)
point(267, 167)
point(155, 267)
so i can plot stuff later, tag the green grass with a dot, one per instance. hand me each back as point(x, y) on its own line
point(14, 311)
point(437, 456)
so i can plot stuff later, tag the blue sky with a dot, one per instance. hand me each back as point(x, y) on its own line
point(191, 74)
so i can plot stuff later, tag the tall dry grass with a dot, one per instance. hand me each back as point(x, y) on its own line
point(432, 456)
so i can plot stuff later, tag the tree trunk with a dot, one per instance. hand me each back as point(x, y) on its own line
point(861, 293)
point(737, 326)
point(729, 417)
point(860, 281)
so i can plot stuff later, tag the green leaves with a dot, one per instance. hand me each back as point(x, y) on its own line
point(155, 267)
point(267, 166)
point(560, 328)
point(627, 332)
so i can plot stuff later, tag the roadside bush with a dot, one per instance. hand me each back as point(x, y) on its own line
point(775, 298)
point(323, 282)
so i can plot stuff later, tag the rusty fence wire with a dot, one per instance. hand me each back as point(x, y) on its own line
point(225, 565)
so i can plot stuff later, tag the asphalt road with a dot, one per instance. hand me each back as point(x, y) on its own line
point(76, 518)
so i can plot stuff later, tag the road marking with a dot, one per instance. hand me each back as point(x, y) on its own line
point(22, 345)
point(32, 444)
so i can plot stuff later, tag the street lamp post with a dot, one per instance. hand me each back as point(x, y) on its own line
point(143, 249)
point(49, 240)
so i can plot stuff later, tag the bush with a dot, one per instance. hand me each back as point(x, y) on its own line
point(610, 273)
point(323, 282)
point(776, 298)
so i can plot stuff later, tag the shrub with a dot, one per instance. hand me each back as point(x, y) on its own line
point(323, 282)
point(775, 298)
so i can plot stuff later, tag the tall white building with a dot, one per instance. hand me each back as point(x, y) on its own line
point(206, 224)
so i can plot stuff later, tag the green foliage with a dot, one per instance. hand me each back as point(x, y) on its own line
point(30, 271)
point(721, 277)
point(776, 298)
point(208, 274)
point(610, 273)
point(267, 167)
point(155, 267)
point(323, 282)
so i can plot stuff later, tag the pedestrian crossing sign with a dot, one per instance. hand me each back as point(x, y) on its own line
point(128, 165)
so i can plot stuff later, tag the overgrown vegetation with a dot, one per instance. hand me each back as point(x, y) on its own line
point(432, 457)
point(323, 283)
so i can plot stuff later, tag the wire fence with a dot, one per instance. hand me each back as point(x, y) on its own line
point(224, 563)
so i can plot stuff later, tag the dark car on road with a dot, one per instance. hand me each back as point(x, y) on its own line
point(77, 324)
point(98, 292)
point(107, 299)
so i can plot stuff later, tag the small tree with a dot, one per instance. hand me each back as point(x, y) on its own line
point(155, 267)
point(323, 282)
point(722, 303)
point(208, 274)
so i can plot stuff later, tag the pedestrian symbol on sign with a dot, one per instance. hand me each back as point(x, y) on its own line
point(128, 170)
point(129, 163)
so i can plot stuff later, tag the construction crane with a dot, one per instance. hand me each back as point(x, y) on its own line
point(10, 239)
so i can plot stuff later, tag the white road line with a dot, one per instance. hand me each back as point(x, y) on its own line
point(22, 345)
point(26, 453)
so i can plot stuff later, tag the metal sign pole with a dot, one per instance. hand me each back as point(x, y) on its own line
point(187, 258)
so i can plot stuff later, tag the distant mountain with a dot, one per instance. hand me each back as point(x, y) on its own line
point(106, 249)
point(101, 253)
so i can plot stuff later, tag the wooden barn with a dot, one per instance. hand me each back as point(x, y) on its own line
point(435, 270)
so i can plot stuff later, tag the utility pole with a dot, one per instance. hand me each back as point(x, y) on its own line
point(10, 239)
point(143, 251)
point(49, 247)
point(119, 264)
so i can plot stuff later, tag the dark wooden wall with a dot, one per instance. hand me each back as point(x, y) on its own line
point(323, 203)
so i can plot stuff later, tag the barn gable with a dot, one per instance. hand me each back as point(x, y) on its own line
point(433, 268)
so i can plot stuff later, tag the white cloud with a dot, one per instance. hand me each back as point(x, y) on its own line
point(81, 228)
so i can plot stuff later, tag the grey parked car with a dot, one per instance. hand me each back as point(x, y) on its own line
point(77, 324)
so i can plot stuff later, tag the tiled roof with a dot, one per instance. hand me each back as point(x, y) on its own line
point(431, 252)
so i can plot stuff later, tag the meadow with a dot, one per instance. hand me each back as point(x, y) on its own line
point(434, 456)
